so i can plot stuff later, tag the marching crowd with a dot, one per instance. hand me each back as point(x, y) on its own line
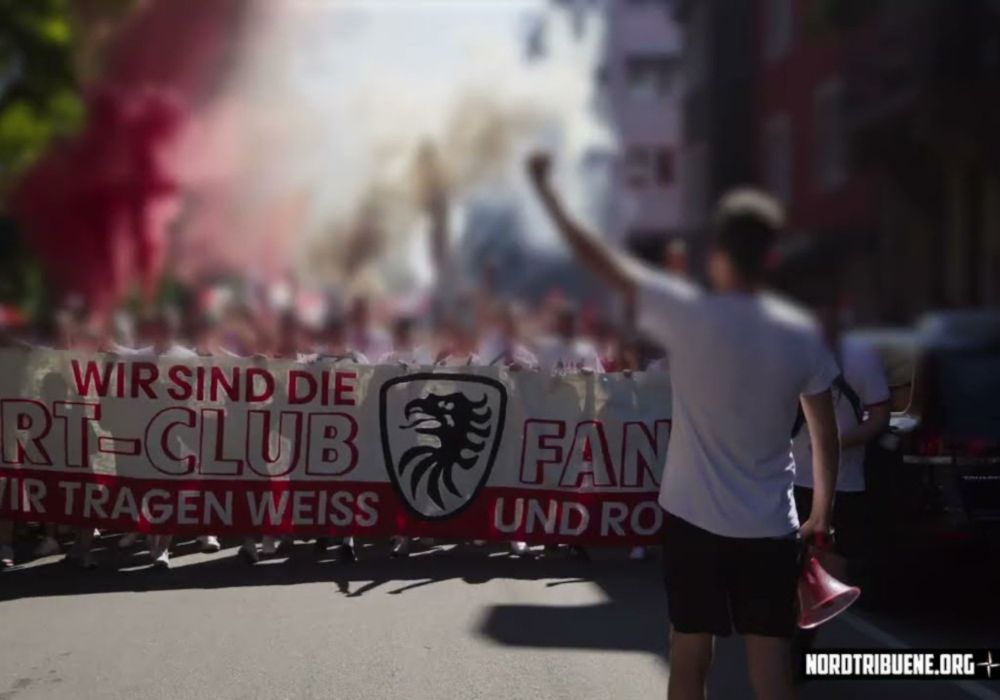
point(317, 327)
point(746, 478)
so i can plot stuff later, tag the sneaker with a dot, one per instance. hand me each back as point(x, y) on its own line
point(128, 540)
point(6, 556)
point(209, 544)
point(577, 552)
point(46, 548)
point(162, 560)
point(321, 544)
point(637, 553)
point(269, 545)
point(519, 549)
point(400, 547)
point(248, 550)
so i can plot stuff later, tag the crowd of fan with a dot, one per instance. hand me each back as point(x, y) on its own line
point(554, 336)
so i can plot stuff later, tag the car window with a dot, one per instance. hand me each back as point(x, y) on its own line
point(969, 389)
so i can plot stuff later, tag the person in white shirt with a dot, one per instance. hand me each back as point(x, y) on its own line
point(362, 334)
point(503, 344)
point(564, 350)
point(406, 353)
point(160, 333)
point(741, 361)
point(336, 349)
point(405, 349)
point(861, 398)
point(73, 332)
point(88, 338)
point(504, 348)
point(457, 342)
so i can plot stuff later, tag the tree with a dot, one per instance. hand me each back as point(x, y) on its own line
point(39, 93)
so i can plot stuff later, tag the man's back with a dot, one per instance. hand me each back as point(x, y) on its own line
point(738, 363)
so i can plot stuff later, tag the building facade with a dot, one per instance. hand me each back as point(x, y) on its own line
point(718, 104)
point(874, 123)
point(641, 92)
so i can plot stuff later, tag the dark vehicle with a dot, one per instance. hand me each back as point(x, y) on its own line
point(934, 480)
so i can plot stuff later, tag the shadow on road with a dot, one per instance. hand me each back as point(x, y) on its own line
point(124, 571)
point(632, 619)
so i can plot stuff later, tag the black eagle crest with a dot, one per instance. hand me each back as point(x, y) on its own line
point(462, 429)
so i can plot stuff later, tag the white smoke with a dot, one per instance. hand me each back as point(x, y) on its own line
point(336, 100)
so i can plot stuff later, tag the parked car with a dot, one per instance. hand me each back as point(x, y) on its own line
point(934, 479)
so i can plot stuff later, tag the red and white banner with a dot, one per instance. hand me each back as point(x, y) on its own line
point(222, 446)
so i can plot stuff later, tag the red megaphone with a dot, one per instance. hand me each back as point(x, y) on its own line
point(821, 596)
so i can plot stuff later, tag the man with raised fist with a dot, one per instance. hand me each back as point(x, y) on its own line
point(741, 361)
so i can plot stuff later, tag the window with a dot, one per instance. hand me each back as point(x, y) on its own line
point(829, 136)
point(779, 20)
point(778, 142)
point(649, 76)
point(647, 166)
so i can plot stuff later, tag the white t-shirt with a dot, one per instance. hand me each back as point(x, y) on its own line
point(126, 351)
point(373, 342)
point(179, 352)
point(414, 356)
point(863, 372)
point(738, 365)
point(351, 357)
point(502, 353)
point(176, 351)
point(568, 356)
point(459, 360)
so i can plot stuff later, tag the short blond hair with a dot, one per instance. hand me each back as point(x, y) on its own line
point(747, 222)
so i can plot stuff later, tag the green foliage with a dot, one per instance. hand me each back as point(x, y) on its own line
point(39, 95)
point(39, 101)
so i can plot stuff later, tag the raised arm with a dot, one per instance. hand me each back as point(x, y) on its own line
point(610, 265)
point(824, 435)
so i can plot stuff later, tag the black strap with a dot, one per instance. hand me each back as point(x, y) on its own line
point(848, 392)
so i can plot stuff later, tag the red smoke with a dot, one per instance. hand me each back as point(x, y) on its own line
point(97, 208)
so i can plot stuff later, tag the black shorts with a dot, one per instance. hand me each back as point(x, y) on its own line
point(716, 583)
point(852, 531)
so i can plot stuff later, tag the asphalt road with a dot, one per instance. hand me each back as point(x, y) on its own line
point(462, 623)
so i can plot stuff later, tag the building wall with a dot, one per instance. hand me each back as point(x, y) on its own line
point(642, 87)
point(718, 105)
point(697, 146)
point(802, 148)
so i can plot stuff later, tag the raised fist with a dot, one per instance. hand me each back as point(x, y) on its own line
point(539, 165)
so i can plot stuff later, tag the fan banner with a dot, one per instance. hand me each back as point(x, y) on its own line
point(228, 446)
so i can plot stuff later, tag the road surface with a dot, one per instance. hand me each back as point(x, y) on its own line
point(463, 623)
